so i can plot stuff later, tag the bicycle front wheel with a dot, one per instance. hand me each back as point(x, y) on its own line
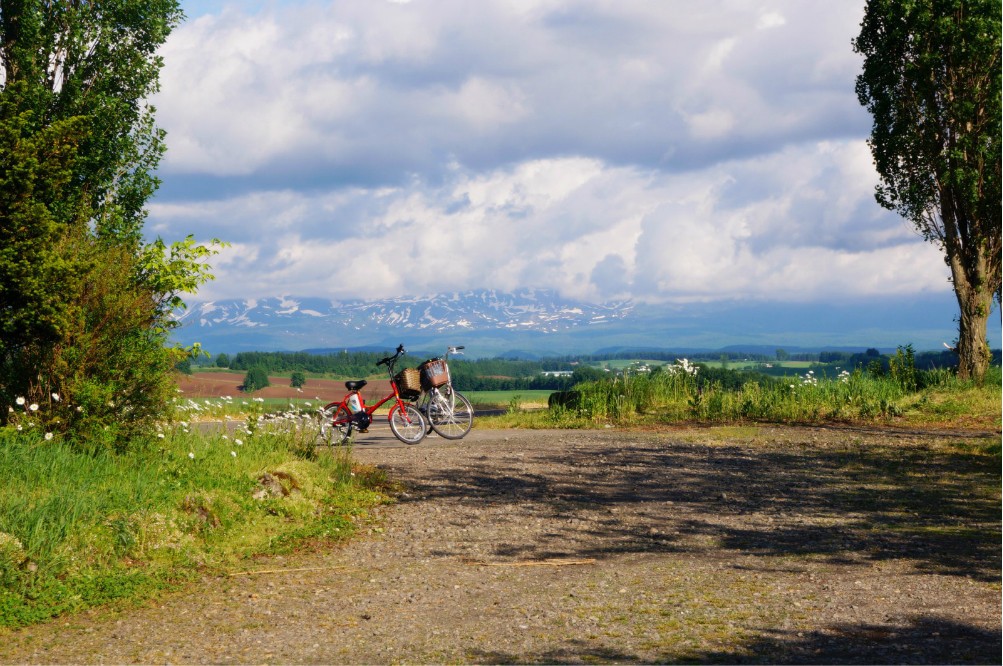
point(335, 425)
point(450, 414)
point(408, 425)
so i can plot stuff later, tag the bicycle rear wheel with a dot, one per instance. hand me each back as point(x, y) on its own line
point(408, 425)
point(336, 426)
point(450, 414)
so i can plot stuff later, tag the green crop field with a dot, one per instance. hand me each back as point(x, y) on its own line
point(504, 399)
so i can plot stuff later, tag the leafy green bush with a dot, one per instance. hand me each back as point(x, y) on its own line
point(255, 379)
point(87, 303)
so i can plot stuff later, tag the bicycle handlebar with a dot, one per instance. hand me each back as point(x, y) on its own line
point(390, 359)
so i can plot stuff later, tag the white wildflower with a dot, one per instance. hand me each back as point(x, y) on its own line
point(20, 401)
point(233, 453)
point(191, 454)
point(55, 396)
point(33, 406)
point(238, 442)
point(48, 436)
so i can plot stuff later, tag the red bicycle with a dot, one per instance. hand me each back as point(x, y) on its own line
point(340, 420)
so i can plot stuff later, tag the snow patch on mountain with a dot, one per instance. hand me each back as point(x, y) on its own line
point(527, 309)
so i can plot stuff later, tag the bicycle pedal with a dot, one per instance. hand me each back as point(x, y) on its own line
point(363, 429)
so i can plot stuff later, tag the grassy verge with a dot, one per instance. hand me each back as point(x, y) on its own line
point(79, 530)
point(942, 401)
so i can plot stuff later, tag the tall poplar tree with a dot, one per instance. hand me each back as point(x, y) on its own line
point(931, 80)
point(85, 303)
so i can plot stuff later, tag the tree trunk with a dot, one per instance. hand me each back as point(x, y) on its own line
point(975, 301)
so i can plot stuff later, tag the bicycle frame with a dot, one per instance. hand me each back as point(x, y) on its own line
point(371, 409)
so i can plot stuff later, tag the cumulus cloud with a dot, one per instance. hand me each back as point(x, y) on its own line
point(640, 149)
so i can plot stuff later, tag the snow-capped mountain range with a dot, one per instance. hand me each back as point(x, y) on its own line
point(291, 323)
point(540, 322)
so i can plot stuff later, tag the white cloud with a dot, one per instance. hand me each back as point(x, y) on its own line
point(659, 151)
point(592, 231)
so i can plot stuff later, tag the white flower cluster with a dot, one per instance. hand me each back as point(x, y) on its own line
point(682, 366)
point(29, 411)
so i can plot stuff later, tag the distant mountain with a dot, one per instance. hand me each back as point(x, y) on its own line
point(538, 322)
point(289, 323)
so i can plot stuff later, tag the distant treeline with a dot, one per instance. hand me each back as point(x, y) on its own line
point(470, 375)
point(510, 374)
point(927, 360)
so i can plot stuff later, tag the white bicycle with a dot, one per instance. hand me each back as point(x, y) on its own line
point(447, 411)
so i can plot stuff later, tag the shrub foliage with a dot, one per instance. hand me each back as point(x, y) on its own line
point(85, 303)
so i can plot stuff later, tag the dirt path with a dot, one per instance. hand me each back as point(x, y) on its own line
point(737, 544)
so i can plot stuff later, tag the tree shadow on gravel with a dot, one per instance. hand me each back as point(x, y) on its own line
point(938, 509)
point(922, 641)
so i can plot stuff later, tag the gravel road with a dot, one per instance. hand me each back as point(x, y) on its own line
point(742, 544)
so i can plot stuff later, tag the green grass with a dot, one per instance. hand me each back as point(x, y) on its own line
point(79, 530)
point(621, 363)
point(853, 397)
point(747, 365)
point(504, 399)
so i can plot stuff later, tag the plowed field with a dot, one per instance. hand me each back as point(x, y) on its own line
point(220, 384)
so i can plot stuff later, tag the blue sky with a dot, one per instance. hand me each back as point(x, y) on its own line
point(667, 151)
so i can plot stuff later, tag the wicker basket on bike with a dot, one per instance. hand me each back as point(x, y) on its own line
point(408, 383)
point(434, 373)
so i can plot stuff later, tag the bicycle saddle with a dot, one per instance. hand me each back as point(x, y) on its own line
point(355, 385)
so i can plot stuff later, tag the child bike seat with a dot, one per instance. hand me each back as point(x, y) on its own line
point(355, 385)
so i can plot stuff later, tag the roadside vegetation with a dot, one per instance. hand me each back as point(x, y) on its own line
point(686, 392)
point(80, 529)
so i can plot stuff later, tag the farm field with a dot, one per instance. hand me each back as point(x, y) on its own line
point(201, 385)
point(526, 399)
point(216, 384)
